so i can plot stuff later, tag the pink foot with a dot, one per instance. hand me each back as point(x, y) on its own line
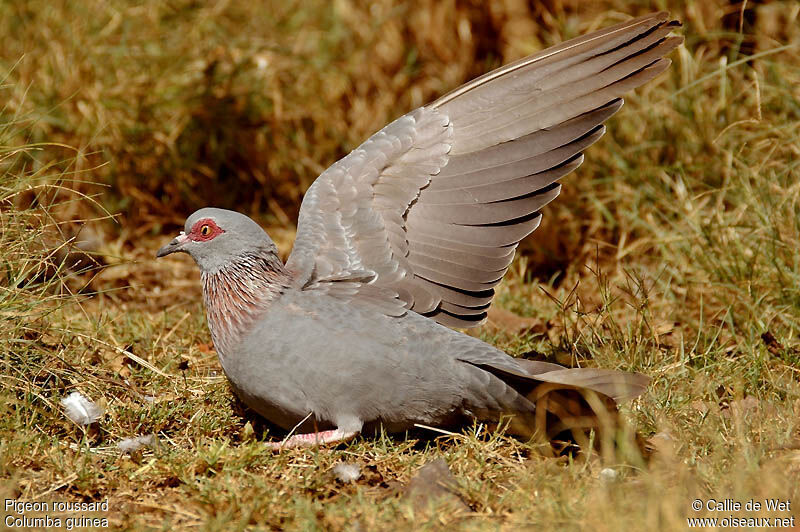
point(311, 439)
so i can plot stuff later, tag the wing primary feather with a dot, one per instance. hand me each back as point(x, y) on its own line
point(594, 41)
point(479, 184)
point(487, 235)
point(484, 214)
point(513, 188)
point(529, 145)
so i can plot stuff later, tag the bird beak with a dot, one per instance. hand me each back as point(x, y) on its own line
point(176, 244)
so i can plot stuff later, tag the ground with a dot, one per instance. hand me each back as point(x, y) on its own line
point(673, 251)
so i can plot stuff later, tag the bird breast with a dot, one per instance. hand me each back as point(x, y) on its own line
point(235, 296)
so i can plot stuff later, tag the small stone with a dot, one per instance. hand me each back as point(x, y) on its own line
point(608, 475)
point(435, 485)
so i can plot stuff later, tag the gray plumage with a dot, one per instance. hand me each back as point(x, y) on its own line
point(414, 227)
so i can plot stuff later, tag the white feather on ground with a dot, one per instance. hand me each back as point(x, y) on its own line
point(80, 409)
point(129, 445)
point(346, 472)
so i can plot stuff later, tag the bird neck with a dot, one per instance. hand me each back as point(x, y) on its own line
point(238, 293)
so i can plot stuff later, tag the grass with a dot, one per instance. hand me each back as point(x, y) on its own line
point(674, 250)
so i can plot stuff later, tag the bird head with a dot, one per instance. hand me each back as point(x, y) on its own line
point(217, 237)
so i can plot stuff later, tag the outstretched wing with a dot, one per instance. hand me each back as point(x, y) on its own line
point(427, 213)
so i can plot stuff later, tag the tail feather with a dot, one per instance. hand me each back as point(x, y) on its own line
point(568, 401)
point(619, 385)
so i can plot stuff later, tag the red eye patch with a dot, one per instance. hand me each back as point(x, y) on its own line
point(204, 230)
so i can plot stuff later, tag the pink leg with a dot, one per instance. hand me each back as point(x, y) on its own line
point(311, 439)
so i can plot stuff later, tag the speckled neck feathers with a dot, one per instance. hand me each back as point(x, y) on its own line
point(236, 294)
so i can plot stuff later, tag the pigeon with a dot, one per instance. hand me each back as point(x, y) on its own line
point(406, 237)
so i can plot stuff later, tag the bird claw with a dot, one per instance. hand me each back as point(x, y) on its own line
point(311, 439)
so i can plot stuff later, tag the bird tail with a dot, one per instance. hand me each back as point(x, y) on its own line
point(570, 403)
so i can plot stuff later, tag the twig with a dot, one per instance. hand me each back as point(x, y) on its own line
point(54, 487)
point(434, 429)
point(296, 427)
point(128, 354)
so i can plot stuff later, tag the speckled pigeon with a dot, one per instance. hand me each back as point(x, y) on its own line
point(408, 234)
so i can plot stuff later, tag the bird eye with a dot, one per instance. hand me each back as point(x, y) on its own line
point(205, 230)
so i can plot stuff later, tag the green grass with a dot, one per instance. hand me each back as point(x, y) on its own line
point(673, 251)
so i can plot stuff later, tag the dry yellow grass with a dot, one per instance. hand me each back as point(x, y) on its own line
point(674, 250)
